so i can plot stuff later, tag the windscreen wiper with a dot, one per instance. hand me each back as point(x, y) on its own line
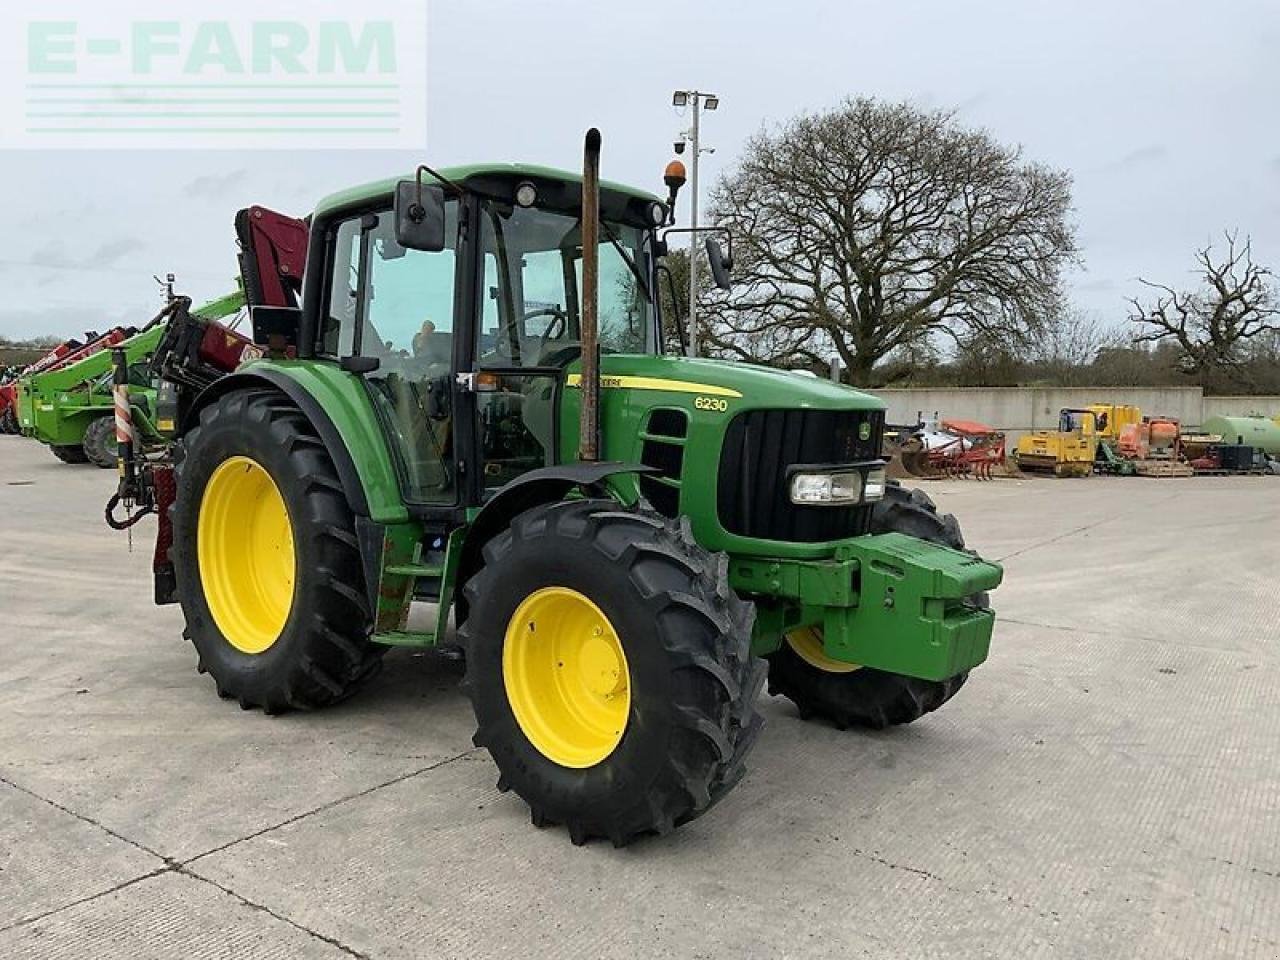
point(627, 259)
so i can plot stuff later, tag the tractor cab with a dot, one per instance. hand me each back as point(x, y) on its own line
point(465, 345)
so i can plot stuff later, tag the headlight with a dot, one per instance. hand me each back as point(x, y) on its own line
point(657, 214)
point(821, 489)
point(526, 194)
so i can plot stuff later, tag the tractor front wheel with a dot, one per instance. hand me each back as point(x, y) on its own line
point(610, 670)
point(100, 442)
point(69, 452)
point(266, 557)
point(847, 694)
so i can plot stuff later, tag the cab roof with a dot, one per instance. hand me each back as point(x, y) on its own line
point(383, 189)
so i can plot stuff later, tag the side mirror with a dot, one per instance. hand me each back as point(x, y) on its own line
point(419, 215)
point(359, 365)
point(720, 264)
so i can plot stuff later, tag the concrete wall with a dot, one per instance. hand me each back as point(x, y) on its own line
point(1241, 406)
point(1015, 410)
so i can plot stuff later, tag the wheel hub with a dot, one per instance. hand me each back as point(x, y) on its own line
point(566, 677)
point(246, 555)
point(807, 643)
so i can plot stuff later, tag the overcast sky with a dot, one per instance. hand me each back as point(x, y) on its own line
point(1164, 112)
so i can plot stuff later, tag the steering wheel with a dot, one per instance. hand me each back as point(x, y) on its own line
point(559, 323)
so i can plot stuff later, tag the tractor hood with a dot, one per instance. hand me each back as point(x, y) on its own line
point(756, 385)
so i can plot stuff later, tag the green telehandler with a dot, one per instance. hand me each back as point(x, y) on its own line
point(69, 409)
point(464, 399)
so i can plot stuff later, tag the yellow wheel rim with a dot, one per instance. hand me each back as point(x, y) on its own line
point(566, 677)
point(245, 549)
point(807, 643)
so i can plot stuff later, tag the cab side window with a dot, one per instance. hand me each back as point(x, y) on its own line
point(337, 325)
point(401, 300)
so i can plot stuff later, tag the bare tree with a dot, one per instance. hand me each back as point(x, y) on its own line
point(1073, 339)
point(871, 228)
point(1212, 325)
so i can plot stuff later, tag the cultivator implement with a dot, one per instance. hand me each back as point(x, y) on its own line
point(960, 449)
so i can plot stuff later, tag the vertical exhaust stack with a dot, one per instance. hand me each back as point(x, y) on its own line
point(589, 417)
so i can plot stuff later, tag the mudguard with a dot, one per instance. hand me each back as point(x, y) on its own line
point(537, 486)
point(310, 407)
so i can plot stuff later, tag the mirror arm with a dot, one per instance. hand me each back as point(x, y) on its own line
point(417, 211)
point(728, 235)
point(440, 178)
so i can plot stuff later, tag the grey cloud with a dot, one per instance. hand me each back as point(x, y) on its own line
point(1101, 284)
point(1143, 156)
point(114, 250)
point(51, 254)
point(214, 186)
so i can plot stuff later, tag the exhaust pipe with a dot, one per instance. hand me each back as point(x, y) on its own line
point(589, 415)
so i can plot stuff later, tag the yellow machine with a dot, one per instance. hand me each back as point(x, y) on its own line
point(1111, 418)
point(1068, 451)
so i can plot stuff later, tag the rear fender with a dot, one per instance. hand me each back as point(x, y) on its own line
point(367, 476)
point(353, 441)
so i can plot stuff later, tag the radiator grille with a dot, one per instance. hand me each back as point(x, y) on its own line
point(760, 446)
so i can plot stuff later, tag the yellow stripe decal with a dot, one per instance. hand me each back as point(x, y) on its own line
point(656, 383)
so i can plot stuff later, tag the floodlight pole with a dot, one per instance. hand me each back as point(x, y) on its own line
point(693, 237)
point(711, 101)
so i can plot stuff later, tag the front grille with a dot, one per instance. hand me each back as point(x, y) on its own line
point(759, 447)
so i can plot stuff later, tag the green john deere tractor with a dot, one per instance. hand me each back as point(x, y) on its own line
point(464, 399)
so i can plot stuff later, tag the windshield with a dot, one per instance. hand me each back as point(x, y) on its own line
point(532, 303)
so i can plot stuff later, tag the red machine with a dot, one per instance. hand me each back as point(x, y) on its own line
point(196, 351)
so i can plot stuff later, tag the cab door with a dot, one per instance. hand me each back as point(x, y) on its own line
point(397, 306)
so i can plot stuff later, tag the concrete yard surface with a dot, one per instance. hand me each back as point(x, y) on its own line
point(1106, 785)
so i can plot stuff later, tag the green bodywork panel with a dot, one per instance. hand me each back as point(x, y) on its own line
point(887, 601)
point(710, 393)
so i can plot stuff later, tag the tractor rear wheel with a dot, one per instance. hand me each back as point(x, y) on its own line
point(9, 421)
point(100, 442)
point(266, 557)
point(850, 695)
point(69, 452)
point(610, 669)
